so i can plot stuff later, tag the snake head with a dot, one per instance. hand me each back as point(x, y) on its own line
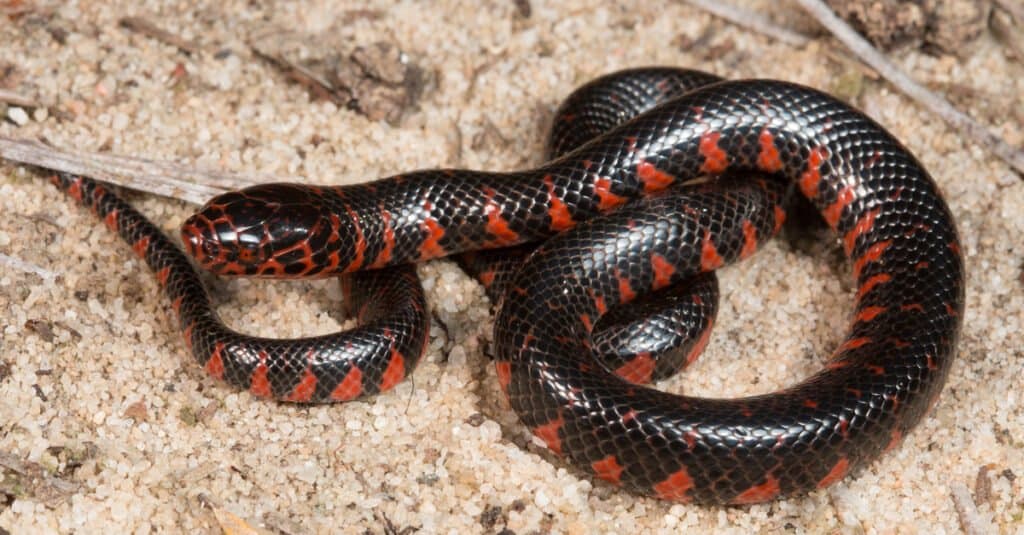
point(269, 230)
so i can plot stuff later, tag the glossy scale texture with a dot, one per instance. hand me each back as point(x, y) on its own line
point(373, 357)
point(883, 206)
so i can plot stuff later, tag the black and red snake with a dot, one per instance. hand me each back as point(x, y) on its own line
point(623, 146)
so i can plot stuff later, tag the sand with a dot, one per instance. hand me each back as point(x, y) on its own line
point(110, 426)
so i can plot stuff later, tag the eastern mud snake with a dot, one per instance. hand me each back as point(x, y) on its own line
point(885, 209)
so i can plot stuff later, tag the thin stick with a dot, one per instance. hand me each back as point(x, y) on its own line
point(28, 267)
point(15, 99)
point(1013, 8)
point(190, 184)
point(1005, 28)
point(972, 129)
point(314, 83)
point(970, 520)
point(760, 24)
point(145, 27)
point(751, 20)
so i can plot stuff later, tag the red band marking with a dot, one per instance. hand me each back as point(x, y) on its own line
point(837, 472)
point(162, 276)
point(259, 385)
point(585, 320)
point(549, 434)
point(626, 293)
point(759, 493)
point(663, 271)
point(187, 334)
point(395, 371)
point(176, 304)
point(486, 278)
point(504, 369)
point(834, 211)
point(780, 218)
point(872, 281)
point(897, 343)
point(701, 344)
point(871, 255)
point(497, 225)
point(810, 179)
point(873, 160)
point(768, 159)
point(690, 436)
point(810, 404)
point(431, 246)
point(894, 440)
point(912, 307)
point(862, 226)
point(638, 370)
point(675, 486)
point(709, 257)
point(350, 387)
point(111, 220)
point(853, 343)
point(607, 199)
point(868, 313)
point(215, 364)
point(608, 469)
point(561, 218)
point(653, 178)
point(75, 189)
point(599, 303)
point(333, 260)
point(715, 159)
point(305, 389)
point(141, 246)
point(749, 239)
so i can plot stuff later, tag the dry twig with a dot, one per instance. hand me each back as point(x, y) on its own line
point(319, 87)
point(761, 24)
point(143, 26)
point(15, 99)
point(751, 20)
point(27, 267)
point(970, 520)
point(1005, 26)
point(1016, 9)
point(935, 103)
point(190, 184)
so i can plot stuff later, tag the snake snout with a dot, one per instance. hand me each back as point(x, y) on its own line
point(248, 232)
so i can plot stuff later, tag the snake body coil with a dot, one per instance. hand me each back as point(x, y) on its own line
point(625, 227)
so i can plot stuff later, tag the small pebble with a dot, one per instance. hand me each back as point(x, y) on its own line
point(17, 116)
